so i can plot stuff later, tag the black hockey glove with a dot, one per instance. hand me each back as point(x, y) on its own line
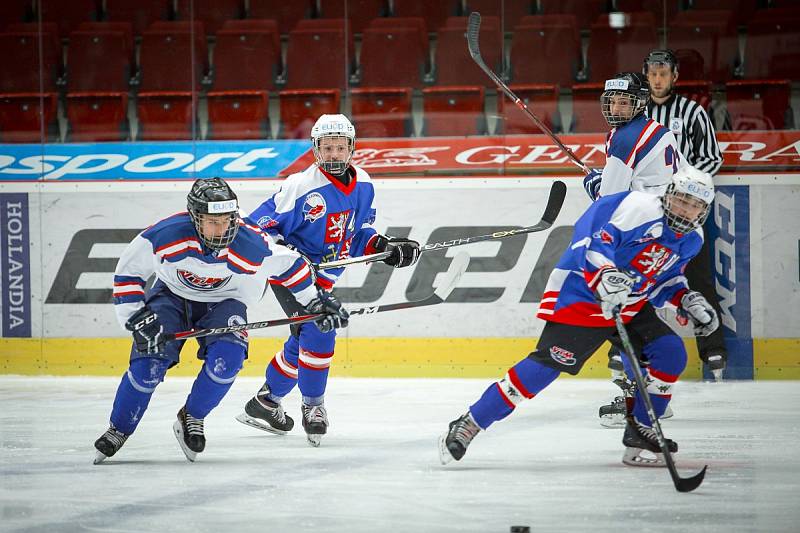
point(148, 333)
point(335, 316)
point(405, 252)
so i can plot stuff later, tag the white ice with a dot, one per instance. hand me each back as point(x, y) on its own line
point(549, 466)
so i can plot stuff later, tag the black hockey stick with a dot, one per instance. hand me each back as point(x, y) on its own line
point(555, 200)
point(681, 484)
point(473, 29)
point(457, 268)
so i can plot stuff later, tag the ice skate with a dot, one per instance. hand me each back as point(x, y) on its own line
point(639, 438)
point(454, 443)
point(617, 369)
point(262, 413)
point(716, 365)
point(189, 432)
point(108, 444)
point(613, 415)
point(315, 423)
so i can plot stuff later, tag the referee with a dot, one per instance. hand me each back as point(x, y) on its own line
point(689, 122)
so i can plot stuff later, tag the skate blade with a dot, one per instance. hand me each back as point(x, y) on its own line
point(612, 421)
point(248, 420)
point(667, 414)
point(178, 430)
point(633, 457)
point(99, 457)
point(717, 375)
point(314, 440)
point(445, 456)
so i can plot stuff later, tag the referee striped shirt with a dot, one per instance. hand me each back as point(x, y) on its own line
point(690, 124)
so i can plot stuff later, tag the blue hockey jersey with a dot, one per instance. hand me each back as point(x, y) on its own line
point(172, 250)
point(321, 217)
point(628, 231)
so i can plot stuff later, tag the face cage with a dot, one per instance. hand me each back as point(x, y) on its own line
point(637, 105)
point(223, 241)
point(336, 168)
point(677, 223)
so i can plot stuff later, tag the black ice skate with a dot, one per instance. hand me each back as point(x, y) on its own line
point(262, 413)
point(108, 444)
point(613, 415)
point(716, 365)
point(315, 423)
point(454, 443)
point(639, 438)
point(189, 432)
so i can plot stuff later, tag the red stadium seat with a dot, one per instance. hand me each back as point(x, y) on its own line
point(50, 28)
point(212, 13)
point(743, 10)
point(382, 111)
point(713, 35)
point(23, 71)
point(259, 26)
point(434, 12)
point(319, 59)
point(139, 13)
point(165, 115)
point(509, 12)
point(124, 27)
point(413, 23)
point(586, 11)
point(392, 58)
point(97, 116)
point(759, 105)
point(358, 12)
point(556, 59)
point(454, 65)
point(246, 59)
point(613, 50)
point(22, 114)
point(691, 63)
point(657, 8)
point(587, 116)
point(70, 14)
point(772, 49)
point(453, 111)
point(238, 115)
point(542, 101)
point(301, 109)
point(286, 13)
point(697, 90)
point(14, 11)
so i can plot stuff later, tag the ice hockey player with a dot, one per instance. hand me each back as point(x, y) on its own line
point(326, 213)
point(209, 267)
point(627, 249)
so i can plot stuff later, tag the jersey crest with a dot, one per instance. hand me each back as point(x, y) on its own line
point(654, 259)
point(335, 226)
point(314, 207)
point(201, 283)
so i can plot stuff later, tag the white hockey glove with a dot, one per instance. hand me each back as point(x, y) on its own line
point(612, 290)
point(704, 318)
point(147, 331)
point(335, 316)
point(592, 183)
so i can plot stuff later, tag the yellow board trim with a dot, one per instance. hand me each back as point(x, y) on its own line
point(358, 357)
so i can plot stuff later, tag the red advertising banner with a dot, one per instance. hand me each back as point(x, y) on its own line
point(536, 154)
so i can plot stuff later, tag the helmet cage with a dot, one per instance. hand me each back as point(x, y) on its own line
point(214, 198)
point(637, 106)
point(679, 223)
point(334, 167)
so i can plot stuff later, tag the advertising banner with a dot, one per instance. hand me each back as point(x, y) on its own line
point(15, 271)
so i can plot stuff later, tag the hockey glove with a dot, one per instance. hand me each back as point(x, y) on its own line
point(405, 252)
point(612, 290)
point(335, 316)
point(147, 331)
point(704, 318)
point(592, 183)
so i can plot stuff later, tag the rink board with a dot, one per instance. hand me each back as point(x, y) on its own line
point(61, 241)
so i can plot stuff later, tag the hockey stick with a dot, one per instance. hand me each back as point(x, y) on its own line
point(681, 484)
point(473, 29)
point(558, 192)
point(457, 268)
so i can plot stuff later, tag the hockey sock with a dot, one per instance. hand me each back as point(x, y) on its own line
point(282, 370)
point(667, 357)
point(314, 361)
point(523, 381)
point(223, 362)
point(135, 390)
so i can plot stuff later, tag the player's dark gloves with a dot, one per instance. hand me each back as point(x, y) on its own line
point(148, 332)
point(405, 252)
point(335, 316)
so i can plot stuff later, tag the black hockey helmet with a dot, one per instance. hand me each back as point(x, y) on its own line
point(214, 197)
point(636, 90)
point(661, 57)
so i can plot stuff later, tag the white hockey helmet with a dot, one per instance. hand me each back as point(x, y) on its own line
point(625, 97)
point(688, 198)
point(333, 126)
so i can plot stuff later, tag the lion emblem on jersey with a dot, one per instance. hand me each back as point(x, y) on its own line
point(314, 207)
point(201, 283)
point(654, 259)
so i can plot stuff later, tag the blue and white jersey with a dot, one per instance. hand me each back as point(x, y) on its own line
point(641, 155)
point(627, 231)
point(172, 250)
point(321, 217)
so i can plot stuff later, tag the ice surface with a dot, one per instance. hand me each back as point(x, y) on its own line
point(549, 466)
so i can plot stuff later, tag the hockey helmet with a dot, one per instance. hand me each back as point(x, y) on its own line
point(625, 97)
point(661, 57)
point(687, 200)
point(336, 127)
point(214, 209)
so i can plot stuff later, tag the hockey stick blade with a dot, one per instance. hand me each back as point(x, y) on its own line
point(457, 268)
point(681, 484)
point(555, 201)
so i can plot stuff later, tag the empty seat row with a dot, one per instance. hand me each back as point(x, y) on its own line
point(376, 112)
